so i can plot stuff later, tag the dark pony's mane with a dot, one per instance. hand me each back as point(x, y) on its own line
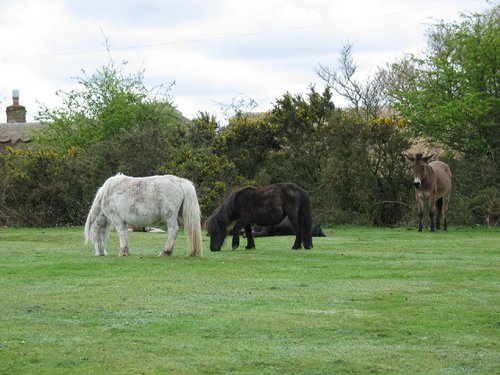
point(220, 214)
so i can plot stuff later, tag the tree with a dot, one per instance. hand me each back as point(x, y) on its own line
point(198, 158)
point(367, 98)
point(110, 102)
point(451, 95)
point(301, 124)
point(247, 141)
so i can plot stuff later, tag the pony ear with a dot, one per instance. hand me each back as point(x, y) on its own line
point(427, 158)
point(410, 157)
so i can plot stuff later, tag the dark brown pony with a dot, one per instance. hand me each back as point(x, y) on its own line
point(432, 181)
point(263, 206)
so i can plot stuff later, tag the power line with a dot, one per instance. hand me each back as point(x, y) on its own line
point(242, 35)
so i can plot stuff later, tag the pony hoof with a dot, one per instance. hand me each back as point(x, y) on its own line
point(249, 247)
point(215, 250)
point(166, 253)
point(235, 247)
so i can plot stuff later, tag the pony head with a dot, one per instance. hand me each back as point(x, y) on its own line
point(419, 163)
point(216, 226)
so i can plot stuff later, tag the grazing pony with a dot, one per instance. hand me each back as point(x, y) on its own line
point(264, 206)
point(432, 181)
point(141, 201)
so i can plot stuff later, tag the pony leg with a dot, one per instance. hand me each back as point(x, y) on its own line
point(432, 210)
point(446, 200)
point(307, 236)
point(298, 239)
point(297, 244)
point(101, 239)
point(122, 231)
point(100, 245)
point(294, 220)
point(420, 203)
point(235, 243)
point(439, 213)
point(173, 230)
point(250, 240)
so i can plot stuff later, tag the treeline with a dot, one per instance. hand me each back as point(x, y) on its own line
point(350, 160)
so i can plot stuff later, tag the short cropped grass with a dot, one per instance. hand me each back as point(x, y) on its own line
point(363, 301)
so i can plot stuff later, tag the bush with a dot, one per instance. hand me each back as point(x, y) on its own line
point(475, 196)
point(41, 188)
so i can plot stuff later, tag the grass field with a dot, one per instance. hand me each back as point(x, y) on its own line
point(363, 301)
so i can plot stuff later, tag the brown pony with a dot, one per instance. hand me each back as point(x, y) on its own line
point(264, 206)
point(432, 181)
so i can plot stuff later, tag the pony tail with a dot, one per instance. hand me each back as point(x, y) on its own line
point(94, 212)
point(192, 218)
point(305, 219)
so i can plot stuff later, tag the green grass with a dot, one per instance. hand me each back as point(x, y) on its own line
point(363, 301)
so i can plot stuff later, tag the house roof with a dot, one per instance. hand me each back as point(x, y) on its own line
point(17, 132)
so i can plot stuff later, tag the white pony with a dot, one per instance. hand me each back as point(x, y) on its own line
point(141, 201)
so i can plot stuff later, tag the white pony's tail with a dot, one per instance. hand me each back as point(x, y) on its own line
point(192, 218)
point(94, 212)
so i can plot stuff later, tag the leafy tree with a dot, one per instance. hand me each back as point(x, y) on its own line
point(301, 124)
point(202, 131)
point(388, 140)
point(41, 188)
point(113, 123)
point(452, 94)
point(109, 103)
point(364, 178)
point(247, 141)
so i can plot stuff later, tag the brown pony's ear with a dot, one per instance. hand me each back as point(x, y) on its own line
point(410, 157)
point(427, 158)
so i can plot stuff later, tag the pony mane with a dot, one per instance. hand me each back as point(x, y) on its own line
point(221, 213)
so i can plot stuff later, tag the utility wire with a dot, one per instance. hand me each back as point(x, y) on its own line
point(242, 35)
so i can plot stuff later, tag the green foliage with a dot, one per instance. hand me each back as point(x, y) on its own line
point(350, 161)
point(109, 103)
point(247, 141)
point(40, 188)
point(388, 140)
point(364, 177)
point(213, 175)
point(301, 123)
point(198, 158)
point(345, 179)
point(475, 198)
point(452, 94)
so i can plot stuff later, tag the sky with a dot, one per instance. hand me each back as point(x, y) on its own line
point(214, 52)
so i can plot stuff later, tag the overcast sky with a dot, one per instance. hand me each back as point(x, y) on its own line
point(214, 50)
